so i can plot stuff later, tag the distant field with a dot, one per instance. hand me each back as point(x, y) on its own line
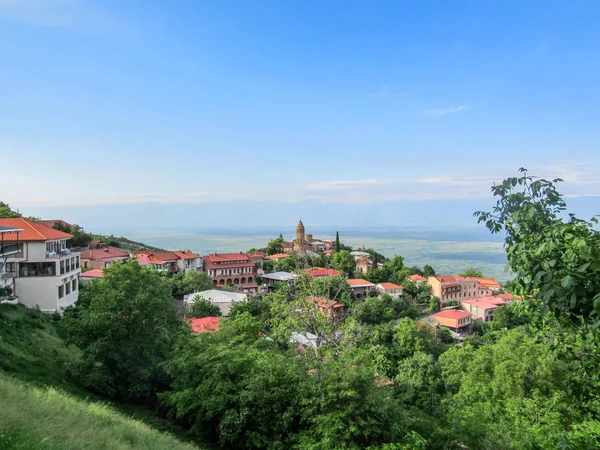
point(447, 252)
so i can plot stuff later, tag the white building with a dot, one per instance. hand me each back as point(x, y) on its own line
point(222, 299)
point(42, 272)
point(392, 289)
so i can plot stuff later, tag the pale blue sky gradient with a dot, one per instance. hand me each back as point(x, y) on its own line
point(106, 102)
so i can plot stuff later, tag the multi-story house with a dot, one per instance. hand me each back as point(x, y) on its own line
point(230, 268)
point(99, 255)
point(456, 288)
point(360, 288)
point(179, 261)
point(44, 271)
point(9, 246)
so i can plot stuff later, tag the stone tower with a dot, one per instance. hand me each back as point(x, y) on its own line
point(300, 242)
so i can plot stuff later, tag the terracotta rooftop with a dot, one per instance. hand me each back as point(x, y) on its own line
point(452, 314)
point(417, 278)
point(94, 273)
point(186, 254)
point(226, 257)
point(32, 231)
point(205, 324)
point(277, 256)
point(325, 302)
point(357, 282)
point(485, 302)
point(320, 272)
point(390, 286)
point(103, 253)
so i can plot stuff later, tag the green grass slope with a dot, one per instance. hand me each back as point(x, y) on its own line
point(41, 407)
point(44, 418)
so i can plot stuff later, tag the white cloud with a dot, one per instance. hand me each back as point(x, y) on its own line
point(77, 15)
point(443, 111)
point(341, 184)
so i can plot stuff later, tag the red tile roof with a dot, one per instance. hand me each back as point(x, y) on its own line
point(226, 257)
point(485, 302)
point(449, 278)
point(389, 286)
point(103, 253)
point(508, 296)
point(94, 273)
point(32, 231)
point(329, 252)
point(486, 282)
point(452, 314)
point(50, 223)
point(278, 256)
point(186, 254)
point(205, 324)
point(417, 278)
point(359, 282)
point(320, 272)
point(325, 302)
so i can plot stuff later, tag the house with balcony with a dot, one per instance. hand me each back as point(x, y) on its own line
point(99, 255)
point(456, 288)
point(44, 270)
point(232, 269)
point(9, 246)
point(360, 287)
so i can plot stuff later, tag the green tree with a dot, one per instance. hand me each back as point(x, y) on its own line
point(275, 246)
point(344, 262)
point(125, 325)
point(395, 264)
point(203, 308)
point(434, 303)
point(556, 260)
point(7, 213)
point(471, 272)
point(338, 246)
point(190, 282)
point(428, 271)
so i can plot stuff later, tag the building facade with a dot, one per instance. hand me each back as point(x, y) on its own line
point(454, 319)
point(360, 288)
point(43, 272)
point(99, 255)
point(456, 288)
point(395, 290)
point(232, 269)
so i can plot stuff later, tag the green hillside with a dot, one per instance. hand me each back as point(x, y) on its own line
point(40, 407)
point(44, 418)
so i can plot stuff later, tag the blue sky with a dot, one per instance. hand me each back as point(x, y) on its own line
point(108, 102)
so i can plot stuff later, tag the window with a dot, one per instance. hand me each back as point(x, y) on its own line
point(62, 267)
point(85, 265)
point(67, 288)
point(74, 282)
point(77, 262)
point(61, 292)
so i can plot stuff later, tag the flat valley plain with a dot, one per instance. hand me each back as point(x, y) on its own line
point(448, 251)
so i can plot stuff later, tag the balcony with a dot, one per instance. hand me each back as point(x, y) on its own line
point(7, 275)
point(37, 269)
point(62, 253)
point(9, 249)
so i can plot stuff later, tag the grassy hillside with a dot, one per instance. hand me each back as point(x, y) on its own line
point(44, 418)
point(126, 244)
point(41, 407)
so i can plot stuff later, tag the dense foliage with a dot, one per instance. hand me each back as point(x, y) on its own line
point(125, 324)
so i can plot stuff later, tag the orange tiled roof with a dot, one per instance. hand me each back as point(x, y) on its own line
point(226, 257)
point(325, 302)
point(103, 253)
point(320, 272)
point(94, 273)
point(205, 324)
point(359, 282)
point(390, 286)
point(452, 314)
point(186, 254)
point(32, 231)
point(417, 278)
point(278, 256)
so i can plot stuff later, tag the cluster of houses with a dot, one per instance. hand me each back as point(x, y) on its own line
point(42, 270)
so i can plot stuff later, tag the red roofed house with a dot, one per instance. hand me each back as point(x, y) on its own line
point(392, 289)
point(330, 308)
point(278, 256)
point(482, 308)
point(418, 279)
point(205, 324)
point(90, 275)
point(364, 265)
point(99, 255)
point(230, 268)
point(508, 297)
point(452, 287)
point(44, 272)
point(177, 261)
point(360, 287)
point(320, 272)
point(453, 318)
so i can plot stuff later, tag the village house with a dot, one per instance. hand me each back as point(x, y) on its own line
point(271, 280)
point(360, 288)
point(391, 289)
point(457, 288)
point(175, 261)
point(230, 268)
point(418, 279)
point(90, 275)
point(222, 299)
point(40, 269)
point(364, 265)
point(482, 308)
point(454, 319)
point(99, 255)
point(336, 311)
point(278, 256)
